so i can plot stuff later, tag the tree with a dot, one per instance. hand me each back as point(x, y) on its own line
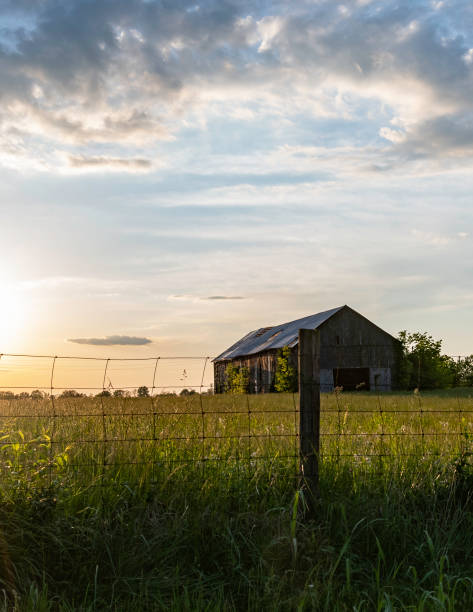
point(67, 393)
point(142, 391)
point(422, 364)
point(37, 394)
point(104, 393)
point(464, 371)
point(237, 379)
point(285, 379)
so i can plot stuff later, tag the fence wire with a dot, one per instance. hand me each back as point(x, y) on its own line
point(114, 421)
point(387, 432)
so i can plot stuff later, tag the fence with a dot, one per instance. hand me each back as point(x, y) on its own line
point(122, 421)
point(385, 435)
point(117, 421)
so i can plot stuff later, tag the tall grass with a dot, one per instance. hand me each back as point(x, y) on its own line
point(192, 504)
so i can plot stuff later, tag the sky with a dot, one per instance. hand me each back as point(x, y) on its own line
point(174, 174)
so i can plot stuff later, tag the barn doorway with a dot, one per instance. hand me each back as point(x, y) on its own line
point(352, 379)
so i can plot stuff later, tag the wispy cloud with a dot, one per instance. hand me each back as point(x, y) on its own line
point(112, 163)
point(112, 341)
point(430, 238)
point(196, 298)
point(223, 297)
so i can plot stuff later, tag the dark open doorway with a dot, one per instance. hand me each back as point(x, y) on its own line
point(352, 379)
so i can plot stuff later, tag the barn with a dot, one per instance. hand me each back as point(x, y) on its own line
point(354, 353)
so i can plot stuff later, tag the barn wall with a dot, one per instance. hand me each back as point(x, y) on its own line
point(348, 340)
point(326, 379)
point(380, 379)
point(219, 376)
point(261, 369)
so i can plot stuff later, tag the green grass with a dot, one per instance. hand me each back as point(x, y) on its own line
point(115, 515)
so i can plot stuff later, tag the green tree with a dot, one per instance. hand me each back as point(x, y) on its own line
point(237, 379)
point(142, 391)
point(68, 393)
point(285, 379)
point(37, 394)
point(104, 393)
point(464, 371)
point(422, 364)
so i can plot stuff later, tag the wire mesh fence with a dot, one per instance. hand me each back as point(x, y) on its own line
point(393, 427)
point(114, 421)
point(99, 422)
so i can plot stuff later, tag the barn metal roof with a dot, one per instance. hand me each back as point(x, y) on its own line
point(275, 337)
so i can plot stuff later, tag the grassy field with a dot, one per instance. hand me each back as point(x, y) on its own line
point(192, 503)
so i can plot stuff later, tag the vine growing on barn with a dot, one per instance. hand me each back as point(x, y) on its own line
point(236, 379)
point(285, 379)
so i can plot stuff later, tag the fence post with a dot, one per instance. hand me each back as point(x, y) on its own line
point(309, 412)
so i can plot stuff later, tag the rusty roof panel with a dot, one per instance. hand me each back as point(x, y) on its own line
point(275, 337)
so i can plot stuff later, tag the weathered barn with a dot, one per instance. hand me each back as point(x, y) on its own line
point(354, 353)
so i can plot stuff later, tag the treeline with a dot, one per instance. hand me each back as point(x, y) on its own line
point(116, 393)
point(68, 394)
point(423, 366)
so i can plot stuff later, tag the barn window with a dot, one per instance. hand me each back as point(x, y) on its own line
point(338, 339)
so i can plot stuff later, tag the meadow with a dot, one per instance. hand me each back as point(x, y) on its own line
point(194, 503)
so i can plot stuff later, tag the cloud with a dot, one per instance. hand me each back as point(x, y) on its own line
point(112, 341)
point(182, 297)
point(193, 298)
point(112, 163)
point(134, 72)
point(442, 137)
point(430, 238)
point(223, 297)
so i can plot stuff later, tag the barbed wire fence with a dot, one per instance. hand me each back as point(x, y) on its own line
point(146, 419)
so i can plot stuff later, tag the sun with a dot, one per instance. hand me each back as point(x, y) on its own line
point(12, 316)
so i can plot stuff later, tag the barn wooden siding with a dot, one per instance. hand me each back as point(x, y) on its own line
point(348, 340)
point(261, 369)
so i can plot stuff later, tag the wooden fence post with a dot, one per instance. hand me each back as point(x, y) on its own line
point(309, 412)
